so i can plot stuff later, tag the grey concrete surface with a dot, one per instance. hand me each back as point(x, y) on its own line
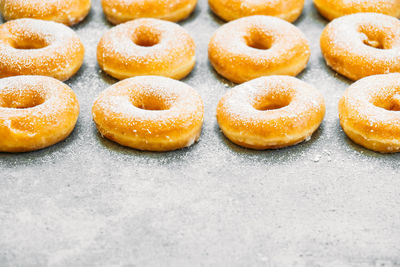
point(90, 202)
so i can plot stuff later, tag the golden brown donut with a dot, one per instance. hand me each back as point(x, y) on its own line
point(362, 44)
point(229, 10)
point(68, 12)
point(35, 112)
point(270, 112)
point(150, 113)
point(332, 9)
point(119, 11)
point(369, 112)
point(146, 47)
point(256, 46)
point(38, 47)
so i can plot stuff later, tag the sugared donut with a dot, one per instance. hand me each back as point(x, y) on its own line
point(270, 112)
point(332, 9)
point(256, 46)
point(229, 10)
point(35, 112)
point(150, 113)
point(147, 47)
point(38, 47)
point(118, 11)
point(68, 12)
point(362, 44)
point(369, 112)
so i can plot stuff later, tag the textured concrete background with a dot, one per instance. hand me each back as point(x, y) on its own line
point(88, 201)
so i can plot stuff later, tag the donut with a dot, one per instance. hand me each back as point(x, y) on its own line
point(68, 12)
point(332, 9)
point(149, 113)
point(256, 46)
point(270, 112)
point(369, 112)
point(362, 44)
point(119, 11)
point(35, 112)
point(146, 47)
point(38, 47)
point(229, 10)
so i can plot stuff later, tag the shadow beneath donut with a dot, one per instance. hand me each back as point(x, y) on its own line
point(105, 77)
point(218, 77)
point(90, 16)
point(167, 157)
point(57, 152)
point(348, 143)
point(192, 17)
point(286, 154)
point(215, 18)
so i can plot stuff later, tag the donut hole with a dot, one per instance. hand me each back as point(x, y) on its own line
point(388, 100)
point(271, 101)
point(21, 99)
point(374, 37)
point(258, 39)
point(146, 36)
point(151, 102)
point(29, 43)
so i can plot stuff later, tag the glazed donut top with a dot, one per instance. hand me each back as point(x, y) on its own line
point(160, 9)
point(337, 8)
point(370, 37)
point(149, 104)
point(147, 41)
point(377, 101)
point(38, 44)
point(263, 40)
point(34, 102)
point(233, 9)
point(281, 101)
point(68, 12)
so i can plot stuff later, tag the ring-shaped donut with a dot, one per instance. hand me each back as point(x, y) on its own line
point(68, 12)
point(369, 112)
point(35, 112)
point(38, 47)
point(119, 11)
point(228, 10)
point(147, 47)
point(256, 46)
point(270, 112)
point(150, 113)
point(362, 44)
point(332, 9)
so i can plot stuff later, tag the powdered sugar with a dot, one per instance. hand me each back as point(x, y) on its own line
point(360, 45)
point(64, 11)
point(150, 106)
point(171, 48)
point(57, 49)
point(231, 52)
point(35, 106)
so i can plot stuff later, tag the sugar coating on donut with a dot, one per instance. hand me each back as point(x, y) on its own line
point(150, 113)
point(146, 47)
point(30, 46)
point(64, 11)
point(336, 8)
point(240, 102)
point(362, 44)
point(369, 112)
point(229, 10)
point(256, 46)
point(44, 88)
point(119, 11)
point(35, 112)
point(270, 112)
